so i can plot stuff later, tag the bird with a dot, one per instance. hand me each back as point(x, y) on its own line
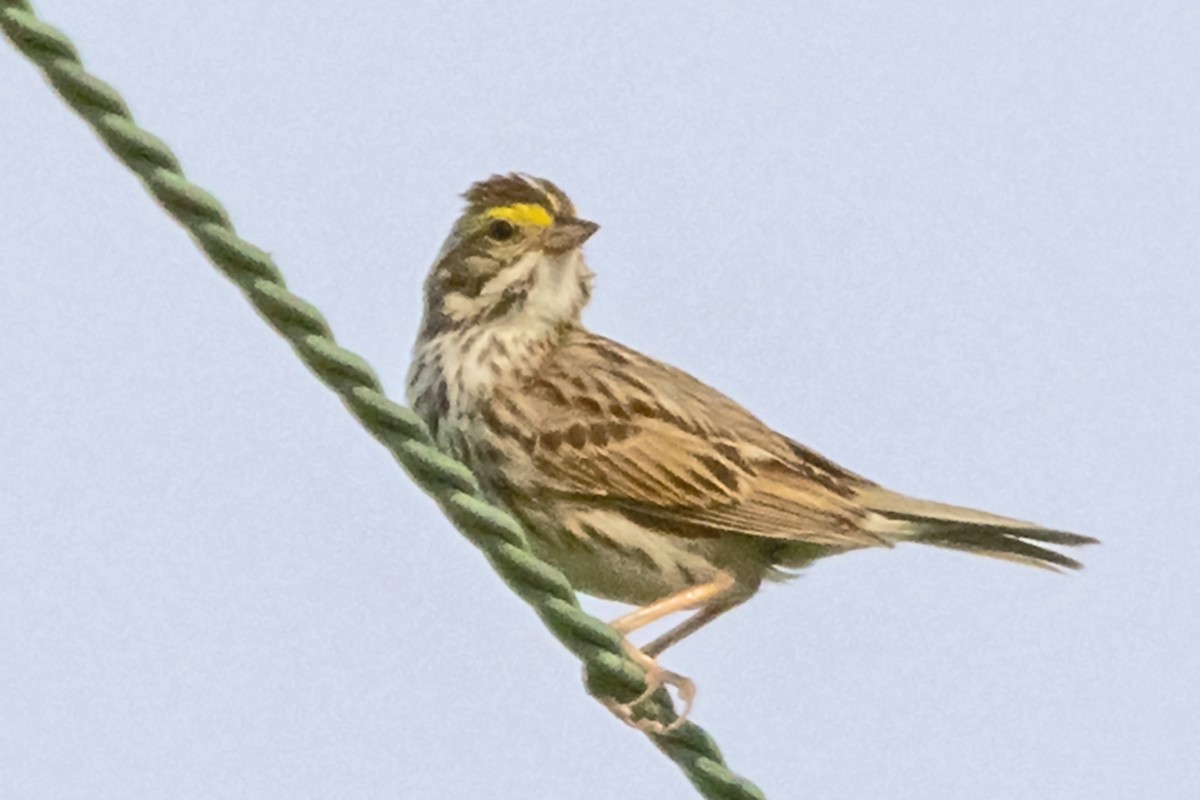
point(639, 482)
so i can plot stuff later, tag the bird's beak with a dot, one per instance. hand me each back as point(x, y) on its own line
point(567, 234)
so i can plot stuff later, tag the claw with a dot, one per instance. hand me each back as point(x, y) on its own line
point(655, 681)
point(656, 678)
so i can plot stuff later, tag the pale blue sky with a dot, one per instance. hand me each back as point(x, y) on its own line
point(953, 246)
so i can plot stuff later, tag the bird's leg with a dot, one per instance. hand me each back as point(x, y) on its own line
point(688, 599)
point(692, 624)
point(712, 599)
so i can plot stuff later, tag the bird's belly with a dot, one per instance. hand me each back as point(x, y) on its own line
point(603, 553)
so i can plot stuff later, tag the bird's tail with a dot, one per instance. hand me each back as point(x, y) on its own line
point(905, 519)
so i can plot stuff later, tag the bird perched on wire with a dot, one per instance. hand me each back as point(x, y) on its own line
point(639, 482)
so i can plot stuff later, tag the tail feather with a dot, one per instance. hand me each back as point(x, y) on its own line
point(1008, 546)
point(907, 519)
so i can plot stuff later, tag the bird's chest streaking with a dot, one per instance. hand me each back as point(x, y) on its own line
point(457, 378)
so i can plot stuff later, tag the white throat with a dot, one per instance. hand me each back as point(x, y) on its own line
point(558, 293)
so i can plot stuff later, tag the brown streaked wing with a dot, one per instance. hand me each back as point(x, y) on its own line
point(616, 427)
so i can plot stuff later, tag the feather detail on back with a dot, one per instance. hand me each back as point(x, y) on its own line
point(618, 429)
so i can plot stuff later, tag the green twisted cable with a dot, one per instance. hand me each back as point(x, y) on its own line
point(610, 673)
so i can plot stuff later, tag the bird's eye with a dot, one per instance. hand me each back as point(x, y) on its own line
point(501, 230)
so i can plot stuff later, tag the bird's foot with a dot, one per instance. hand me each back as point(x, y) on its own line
point(656, 678)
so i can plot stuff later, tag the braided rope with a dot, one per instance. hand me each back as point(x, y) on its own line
point(609, 671)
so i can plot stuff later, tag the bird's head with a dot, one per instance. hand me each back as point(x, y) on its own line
point(515, 255)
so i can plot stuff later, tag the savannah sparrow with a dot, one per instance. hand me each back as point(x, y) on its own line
point(639, 482)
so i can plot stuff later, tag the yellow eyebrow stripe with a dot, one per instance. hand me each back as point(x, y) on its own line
point(522, 214)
